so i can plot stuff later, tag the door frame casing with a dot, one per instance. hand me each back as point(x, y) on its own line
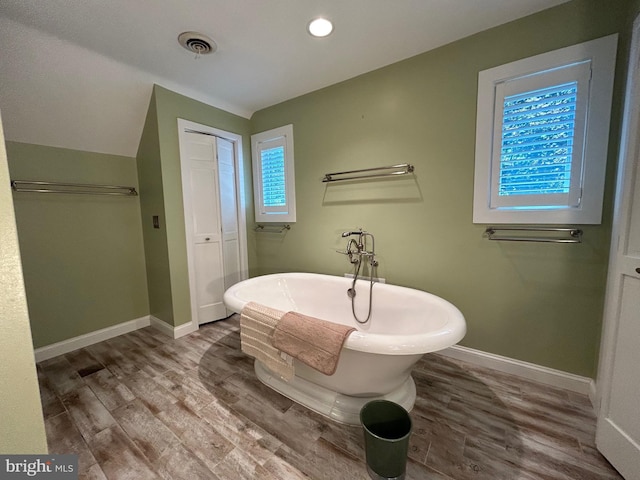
point(187, 126)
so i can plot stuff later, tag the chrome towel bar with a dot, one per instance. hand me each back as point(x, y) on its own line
point(76, 188)
point(271, 228)
point(574, 235)
point(401, 169)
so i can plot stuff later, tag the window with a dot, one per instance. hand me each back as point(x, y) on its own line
point(273, 175)
point(542, 134)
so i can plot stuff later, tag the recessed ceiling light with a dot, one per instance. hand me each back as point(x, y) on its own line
point(320, 27)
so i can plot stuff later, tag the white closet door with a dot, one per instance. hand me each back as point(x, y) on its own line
point(228, 212)
point(206, 224)
point(618, 430)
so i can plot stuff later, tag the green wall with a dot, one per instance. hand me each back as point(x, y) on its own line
point(152, 203)
point(169, 106)
point(21, 421)
point(82, 255)
point(540, 303)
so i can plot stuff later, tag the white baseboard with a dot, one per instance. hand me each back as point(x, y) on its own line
point(184, 329)
point(75, 343)
point(66, 346)
point(173, 332)
point(530, 371)
point(593, 397)
point(161, 326)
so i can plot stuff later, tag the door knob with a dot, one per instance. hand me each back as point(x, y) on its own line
point(207, 239)
point(638, 270)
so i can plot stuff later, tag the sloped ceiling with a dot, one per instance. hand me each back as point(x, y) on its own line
point(78, 73)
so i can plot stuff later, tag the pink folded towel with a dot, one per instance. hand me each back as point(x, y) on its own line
point(314, 342)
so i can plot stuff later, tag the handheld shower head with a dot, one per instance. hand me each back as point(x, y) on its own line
point(346, 234)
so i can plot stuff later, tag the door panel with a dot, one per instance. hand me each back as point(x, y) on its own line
point(206, 224)
point(633, 245)
point(625, 382)
point(209, 282)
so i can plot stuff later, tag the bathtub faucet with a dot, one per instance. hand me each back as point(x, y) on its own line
point(356, 250)
point(350, 253)
point(355, 256)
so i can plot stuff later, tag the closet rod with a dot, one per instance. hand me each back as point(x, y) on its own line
point(401, 169)
point(76, 188)
point(574, 234)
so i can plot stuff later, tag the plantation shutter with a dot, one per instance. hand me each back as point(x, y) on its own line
point(273, 177)
point(539, 132)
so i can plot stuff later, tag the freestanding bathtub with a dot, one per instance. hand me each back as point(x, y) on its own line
point(376, 360)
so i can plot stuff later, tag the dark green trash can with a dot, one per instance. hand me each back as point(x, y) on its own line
point(387, 428)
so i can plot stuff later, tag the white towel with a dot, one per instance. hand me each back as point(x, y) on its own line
point(257, 325)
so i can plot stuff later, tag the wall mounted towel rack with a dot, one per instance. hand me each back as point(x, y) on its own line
point(543, 234)
point(271, 228)
point(77, 188)
point(401, 169)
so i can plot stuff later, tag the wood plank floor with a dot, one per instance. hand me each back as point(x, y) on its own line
point(143, 405)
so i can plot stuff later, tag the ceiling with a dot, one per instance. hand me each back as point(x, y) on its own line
point(78, 73)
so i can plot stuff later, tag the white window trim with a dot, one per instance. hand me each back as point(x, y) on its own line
point(601, 53)
point(286, 214)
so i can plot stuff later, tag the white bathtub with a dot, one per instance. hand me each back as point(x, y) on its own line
point(377, 359)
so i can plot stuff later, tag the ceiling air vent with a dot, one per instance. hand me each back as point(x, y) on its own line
point(197, 43)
